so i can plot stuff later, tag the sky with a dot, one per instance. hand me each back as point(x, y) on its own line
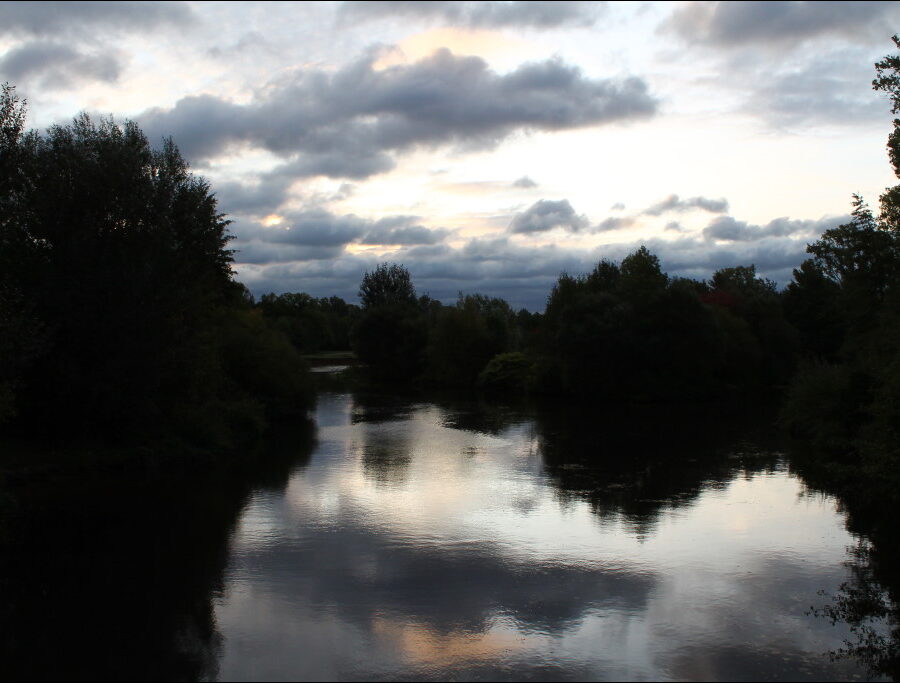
point(486, 146)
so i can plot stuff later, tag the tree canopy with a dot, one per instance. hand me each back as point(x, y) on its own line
point(387, 285)
point(114, 278)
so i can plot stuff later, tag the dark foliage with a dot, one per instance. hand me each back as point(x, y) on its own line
point(312, 325)
point(844, 404)
point(119, 313)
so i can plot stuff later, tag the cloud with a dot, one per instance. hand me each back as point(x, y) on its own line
point(308, 228)
point(546, 214)
point(256, 199)
point(614, 223)
point(672, 203)
point(737, 24)
point(618, 206)
point(760, 46)
point(727, 229)
point(351, 122)
point(315, 233)
point(400, 230)
point(79, 19)
point(831, 88)
point(57, 66)
point(544, 15)
point(524, 182)
point(259, 252)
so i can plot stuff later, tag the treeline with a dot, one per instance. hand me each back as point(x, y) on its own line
point(119, 314)
point(623, 332)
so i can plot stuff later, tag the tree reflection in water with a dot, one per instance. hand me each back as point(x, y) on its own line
point(116, 579)
point(870, 608)
point(128, 581)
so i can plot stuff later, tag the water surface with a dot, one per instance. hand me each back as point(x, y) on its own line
point(417, 539)
point(426, 541)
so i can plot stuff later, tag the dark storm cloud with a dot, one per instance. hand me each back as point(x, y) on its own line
point(75, 18)
point(402, 230)
point(525, 182)
point(257, 199)
point(480, 14)
point(735, 24)
point(57, 66)
point(316, 228)
point(258, 252)
point(546, 214)
point(202, 125)
point(348, 123)
point(316, 233)
point(673, 203)
point(268, 193)
point(727, 229)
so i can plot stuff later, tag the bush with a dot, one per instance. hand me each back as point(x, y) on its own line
point(508, 372)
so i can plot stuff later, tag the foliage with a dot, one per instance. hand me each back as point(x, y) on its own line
point(311, 324)
point(122, 253)
point(630, 332)
point(512, 373)
point(463, 338)
point(391, 340)
point(387, 285)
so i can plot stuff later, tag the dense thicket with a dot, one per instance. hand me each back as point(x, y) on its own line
point(118, 311)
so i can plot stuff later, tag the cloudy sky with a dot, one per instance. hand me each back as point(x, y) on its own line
point(486, 146)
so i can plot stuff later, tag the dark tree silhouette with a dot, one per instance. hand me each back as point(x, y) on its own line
point(391, 335)
point(115, 271)
point(387, 285)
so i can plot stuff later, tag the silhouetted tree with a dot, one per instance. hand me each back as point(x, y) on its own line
point(122, 253)
point(391, 334)
point(640, 275)
point(811, 304)
point(387, 285)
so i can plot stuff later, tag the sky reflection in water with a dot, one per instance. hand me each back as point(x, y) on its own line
point(411, 547)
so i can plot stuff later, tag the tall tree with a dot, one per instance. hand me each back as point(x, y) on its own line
point(387, 285)
point(121, 255)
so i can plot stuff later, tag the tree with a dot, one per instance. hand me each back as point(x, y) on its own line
point(123, 255)
point(390, 336)
point(887, 79)
point(812, 304)
point(641, 275)
point(387, 285)
point(21, 334)
point(863, 258)
point(463, 338)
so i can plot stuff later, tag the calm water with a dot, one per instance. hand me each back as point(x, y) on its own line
point(421, 540)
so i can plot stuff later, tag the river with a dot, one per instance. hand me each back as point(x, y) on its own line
point(433, 539)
